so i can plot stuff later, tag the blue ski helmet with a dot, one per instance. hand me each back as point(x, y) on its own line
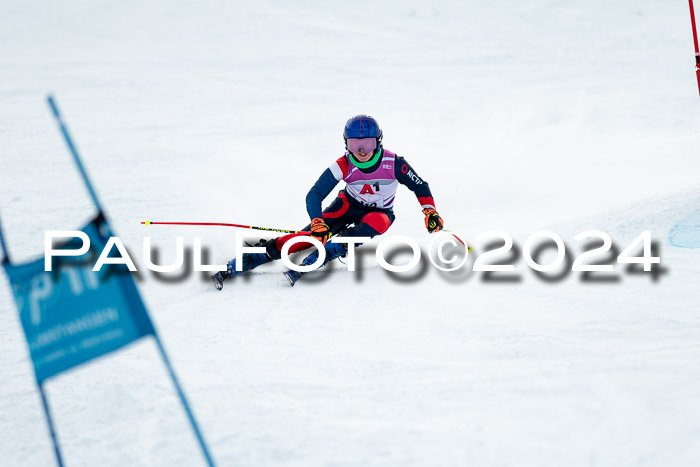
point(363, 126)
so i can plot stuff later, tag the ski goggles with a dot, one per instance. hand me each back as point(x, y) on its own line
point(368, 144)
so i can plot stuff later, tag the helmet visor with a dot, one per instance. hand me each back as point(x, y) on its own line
point(368, 144)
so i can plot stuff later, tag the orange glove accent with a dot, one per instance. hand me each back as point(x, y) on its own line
point(320, 230)
point(433, 221)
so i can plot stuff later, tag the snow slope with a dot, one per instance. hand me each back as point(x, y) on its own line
point(523, 116)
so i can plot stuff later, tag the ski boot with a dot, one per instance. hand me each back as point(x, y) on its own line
point(219, 279)
point(249, 261)
point(333, 251)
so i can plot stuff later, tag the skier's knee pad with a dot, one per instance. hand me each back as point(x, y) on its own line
point(373, 224)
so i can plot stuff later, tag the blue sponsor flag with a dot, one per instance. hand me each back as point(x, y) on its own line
point(72, 314)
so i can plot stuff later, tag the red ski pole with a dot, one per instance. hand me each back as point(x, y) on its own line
point(469, 247)
point(227, 225)
point(695, 38)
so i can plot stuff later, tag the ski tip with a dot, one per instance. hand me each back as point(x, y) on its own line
point(289, 278)
point(218, 283)
point(146, 222)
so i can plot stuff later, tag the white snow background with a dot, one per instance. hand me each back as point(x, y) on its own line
point(552, 114)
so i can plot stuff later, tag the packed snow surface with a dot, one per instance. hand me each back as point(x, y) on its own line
point(523, 116)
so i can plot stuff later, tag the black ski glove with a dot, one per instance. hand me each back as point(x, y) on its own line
point(433, 221)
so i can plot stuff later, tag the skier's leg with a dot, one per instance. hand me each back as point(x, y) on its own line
point(333, 251)
point(371, 224)
point(249, 261)
point(337, 216)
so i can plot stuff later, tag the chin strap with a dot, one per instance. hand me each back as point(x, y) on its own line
point(366, 165)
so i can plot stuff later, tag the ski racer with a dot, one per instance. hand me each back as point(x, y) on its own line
point(362, 209)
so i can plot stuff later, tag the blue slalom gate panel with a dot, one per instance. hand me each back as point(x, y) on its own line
point(71, 314)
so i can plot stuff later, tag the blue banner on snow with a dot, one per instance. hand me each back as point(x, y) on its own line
point(71, 314)
point(686, 233)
